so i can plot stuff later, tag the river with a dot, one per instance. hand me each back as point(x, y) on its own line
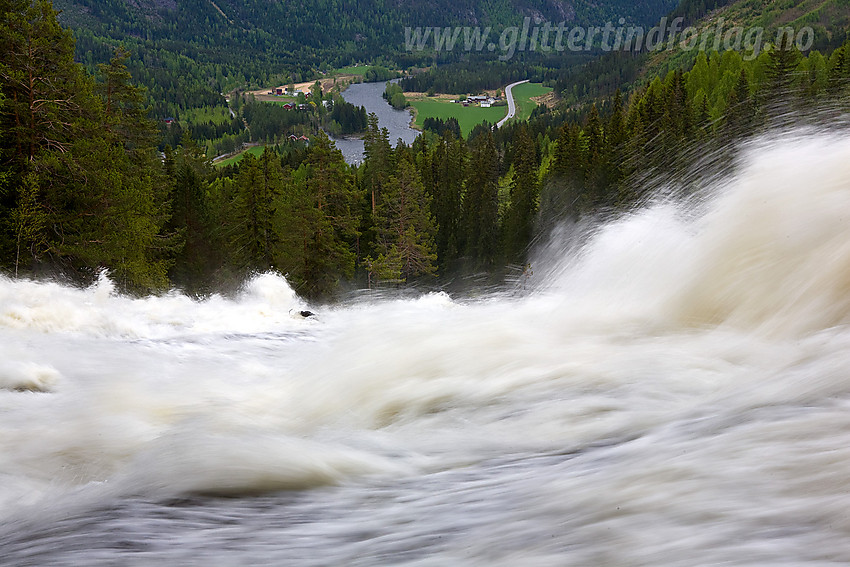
point(397, 122)
point(675, 392)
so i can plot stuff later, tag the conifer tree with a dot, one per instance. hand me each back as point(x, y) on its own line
point(740, 110)
point(188, 172)
point(259, 184)
point(779, 90)
point(405, 244)
point(447, 162)
point(84, 195)
point(481, 202)
point(838, 77)
point(46, 92)
point(332, 221)
point(519, 219)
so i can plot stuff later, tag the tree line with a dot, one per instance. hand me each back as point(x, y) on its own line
point(84, 186)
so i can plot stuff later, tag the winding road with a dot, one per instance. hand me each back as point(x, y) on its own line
point(511, 105)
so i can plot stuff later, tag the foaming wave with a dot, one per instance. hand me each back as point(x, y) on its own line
point(191, 460)
point(766, 249)
point(27, 376)
point(262, 305)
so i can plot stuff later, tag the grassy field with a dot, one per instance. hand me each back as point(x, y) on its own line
point(470, 116)
point(467, 116)
point(255, 150)
point(216, 115)
point(283, 99)
point(359, 70)
point(522, 96)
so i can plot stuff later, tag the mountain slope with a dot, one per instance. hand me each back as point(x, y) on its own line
point(190, 50)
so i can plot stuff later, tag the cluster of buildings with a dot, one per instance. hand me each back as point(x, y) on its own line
point(484, 101)
point(285, 91)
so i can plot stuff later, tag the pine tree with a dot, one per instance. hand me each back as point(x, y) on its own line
point(780, 90)
point(447, 162)
point(332, 222)
point(519, 219)
point(259, 184)
point(85, 197)
point(46, 92)
point(481, 202)
point(405, 244)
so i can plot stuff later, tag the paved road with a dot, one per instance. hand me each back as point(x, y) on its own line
point(511, 105)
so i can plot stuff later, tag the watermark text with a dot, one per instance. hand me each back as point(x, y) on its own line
point(547, 37)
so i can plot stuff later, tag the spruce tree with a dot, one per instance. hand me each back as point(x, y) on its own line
point(259, 183)
point(405, 228)
point(780, 89)
point(447, 162)
point(332, 222)
point(481, 202)
point(84, 187)
point(519, 219)
point(188, 179)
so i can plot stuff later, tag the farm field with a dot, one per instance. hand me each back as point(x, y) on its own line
point(522, 96)
point(255, 150)
point(468, 117)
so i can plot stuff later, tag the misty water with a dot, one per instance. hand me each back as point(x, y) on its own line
point(675, 392)
point(397, 122)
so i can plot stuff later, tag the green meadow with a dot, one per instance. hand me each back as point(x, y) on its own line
point(359, 70)
point(522, 97)
point(468, 117)
point(255, 150)
point(213, 114)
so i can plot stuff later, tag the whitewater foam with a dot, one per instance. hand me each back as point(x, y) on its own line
point(262, 305)
point(680, 382)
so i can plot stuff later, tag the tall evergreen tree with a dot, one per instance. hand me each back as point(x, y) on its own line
point(481, 202)
point(519, 219)
point(259, 184)
point(405, 244)
point(332, 221)
point(188, 171)
point(447, 162)
point(780, 89)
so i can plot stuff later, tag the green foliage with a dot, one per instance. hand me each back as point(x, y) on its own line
point(443, 169)
point(83, 187)
point(395, 96)
point(328, 223)
point(83, 158)
point(404, 226)
point(345, 118)
point(441, 127)
point(519, 220)
point(480, 224)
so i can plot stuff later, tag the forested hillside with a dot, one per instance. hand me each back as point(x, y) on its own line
point(187, 53)
point(83, 187)
point(829, 21)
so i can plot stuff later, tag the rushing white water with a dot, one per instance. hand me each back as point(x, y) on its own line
point(676, 392)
